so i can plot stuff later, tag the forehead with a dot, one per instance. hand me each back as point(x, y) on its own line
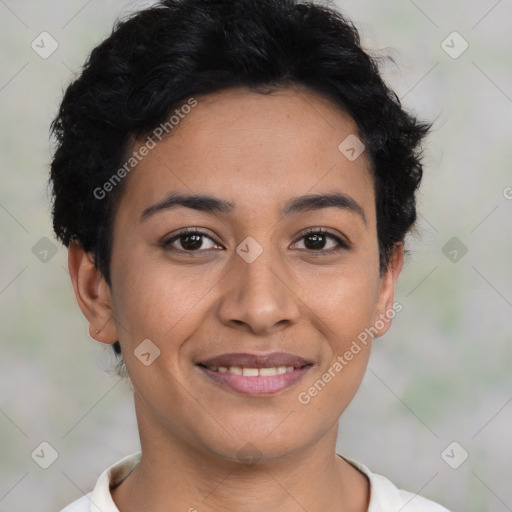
point(253, 149)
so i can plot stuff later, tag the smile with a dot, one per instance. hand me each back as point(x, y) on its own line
point(252, 372)
point(255, 381)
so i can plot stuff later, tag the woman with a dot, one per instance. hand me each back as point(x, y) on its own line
point(234, 182)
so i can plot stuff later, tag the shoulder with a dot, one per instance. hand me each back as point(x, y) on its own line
point(100, 498)
point(386, 497)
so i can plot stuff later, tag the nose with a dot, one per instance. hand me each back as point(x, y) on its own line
point(259, 297)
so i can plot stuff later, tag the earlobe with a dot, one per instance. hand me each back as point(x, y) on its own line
point(92, 294)
point(385, 310)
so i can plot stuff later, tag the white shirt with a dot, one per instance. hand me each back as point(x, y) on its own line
point(384, 496)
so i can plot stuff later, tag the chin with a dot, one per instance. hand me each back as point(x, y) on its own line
point(249, 444)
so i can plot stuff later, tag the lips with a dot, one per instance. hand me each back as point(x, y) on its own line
point(255, 374)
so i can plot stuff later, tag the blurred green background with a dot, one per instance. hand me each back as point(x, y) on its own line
point(441, 374)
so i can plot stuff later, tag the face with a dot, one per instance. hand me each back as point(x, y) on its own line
point(283, 280)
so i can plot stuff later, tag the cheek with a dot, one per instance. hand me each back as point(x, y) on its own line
point(342, 307)
point(156, 301)
point(343, 300)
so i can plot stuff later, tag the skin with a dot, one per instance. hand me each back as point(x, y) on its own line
point(257, 151)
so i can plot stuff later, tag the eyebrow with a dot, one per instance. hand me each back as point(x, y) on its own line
point(214, 205)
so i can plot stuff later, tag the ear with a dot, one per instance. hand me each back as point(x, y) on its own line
point(385, 308)
point(92, 294)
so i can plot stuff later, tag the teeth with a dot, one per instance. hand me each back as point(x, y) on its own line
point(250, 372)
point(253, 372)
point(266, 372)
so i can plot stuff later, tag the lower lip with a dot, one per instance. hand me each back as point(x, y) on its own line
point(257, 385)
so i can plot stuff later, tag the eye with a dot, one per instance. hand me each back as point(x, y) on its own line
point(191, 240)
point(315, 240)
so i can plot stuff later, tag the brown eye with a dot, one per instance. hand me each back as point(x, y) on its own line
point(317, 239)
point(191, 241)
point(188, 240)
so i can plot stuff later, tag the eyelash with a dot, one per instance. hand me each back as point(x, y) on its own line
point(342, 245)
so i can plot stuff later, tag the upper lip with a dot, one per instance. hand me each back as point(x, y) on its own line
point(256, 360)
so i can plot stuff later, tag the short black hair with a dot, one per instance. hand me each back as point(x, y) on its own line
point(160, 57)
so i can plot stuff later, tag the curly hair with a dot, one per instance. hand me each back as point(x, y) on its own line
point(159, 57)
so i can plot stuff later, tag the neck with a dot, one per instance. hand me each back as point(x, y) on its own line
point(174, 475)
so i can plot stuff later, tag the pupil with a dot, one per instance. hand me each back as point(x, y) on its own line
point(193, 245)
point(315, 244)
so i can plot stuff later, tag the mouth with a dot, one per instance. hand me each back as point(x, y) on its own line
point(253, 374)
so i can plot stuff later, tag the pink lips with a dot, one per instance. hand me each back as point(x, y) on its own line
point(256, 385)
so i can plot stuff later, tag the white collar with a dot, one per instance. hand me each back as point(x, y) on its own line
point(384, 495)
